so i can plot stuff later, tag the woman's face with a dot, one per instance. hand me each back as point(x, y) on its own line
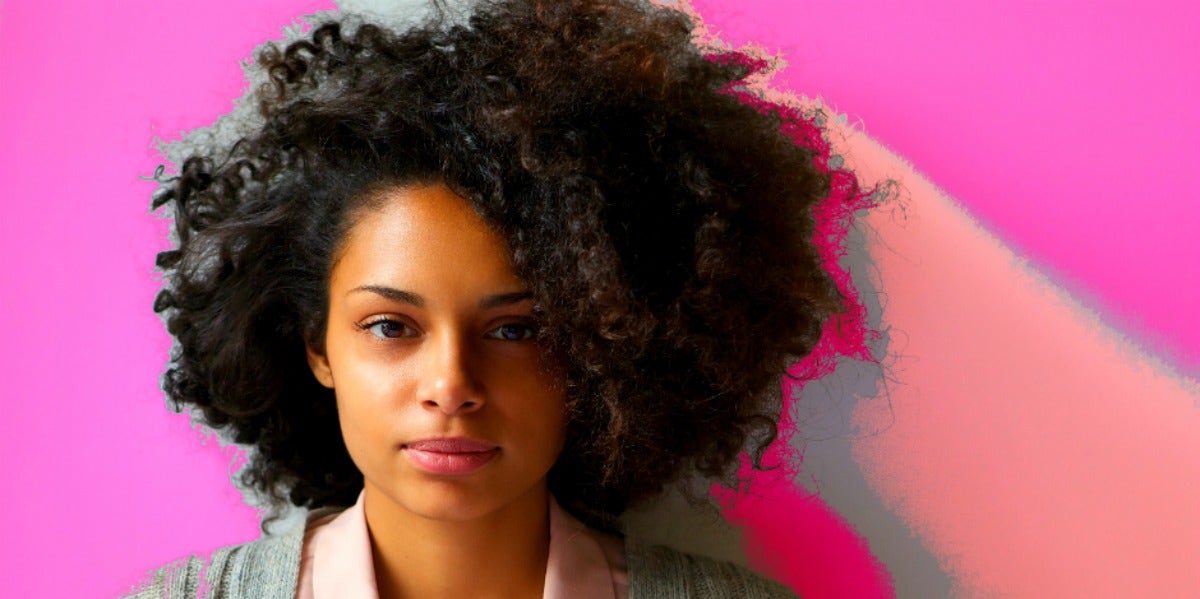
point(446, 402)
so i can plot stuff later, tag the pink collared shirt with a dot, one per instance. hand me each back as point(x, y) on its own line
point(336, 559)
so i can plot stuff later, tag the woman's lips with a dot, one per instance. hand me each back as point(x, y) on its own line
point(450, 455)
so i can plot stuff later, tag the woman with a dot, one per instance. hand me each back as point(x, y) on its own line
point(469, 291)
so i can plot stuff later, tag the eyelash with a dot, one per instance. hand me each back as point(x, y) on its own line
point(530, 329)
point(374, 322)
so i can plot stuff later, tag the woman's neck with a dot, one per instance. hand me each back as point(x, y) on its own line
point(500, 554)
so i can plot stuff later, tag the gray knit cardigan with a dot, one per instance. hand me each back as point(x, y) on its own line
point(269, 567)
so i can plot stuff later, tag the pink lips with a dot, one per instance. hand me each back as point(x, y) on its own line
point(450, 455)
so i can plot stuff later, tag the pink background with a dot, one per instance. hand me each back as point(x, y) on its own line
point(1069, 135)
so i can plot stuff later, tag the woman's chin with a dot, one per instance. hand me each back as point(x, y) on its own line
point(454, 499)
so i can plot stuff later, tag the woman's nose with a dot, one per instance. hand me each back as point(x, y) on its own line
point(449, 381)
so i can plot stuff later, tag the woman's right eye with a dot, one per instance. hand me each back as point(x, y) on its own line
point(388, 329)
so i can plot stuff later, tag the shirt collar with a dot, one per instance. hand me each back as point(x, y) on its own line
point(342, 561)
point(577, 567)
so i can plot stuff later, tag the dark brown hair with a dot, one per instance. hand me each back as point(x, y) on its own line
point(663, 225)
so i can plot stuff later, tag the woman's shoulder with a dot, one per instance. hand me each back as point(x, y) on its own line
point(266, 567)
point(659, 571)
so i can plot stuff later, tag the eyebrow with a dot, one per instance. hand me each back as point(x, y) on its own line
point(504, 299)
point(408, 297)
point(398, 295)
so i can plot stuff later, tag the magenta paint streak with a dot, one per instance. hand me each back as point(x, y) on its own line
point(101, 481)
point(789, 532)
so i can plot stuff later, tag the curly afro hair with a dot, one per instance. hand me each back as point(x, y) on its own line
point(663, 224)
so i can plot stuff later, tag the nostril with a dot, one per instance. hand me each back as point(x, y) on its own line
point(450, 405)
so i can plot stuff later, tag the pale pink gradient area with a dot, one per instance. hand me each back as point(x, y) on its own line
point(101, 482)
point(1033, 450)
point(1025, 440)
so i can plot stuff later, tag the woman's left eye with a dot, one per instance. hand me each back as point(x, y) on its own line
point(512, 332)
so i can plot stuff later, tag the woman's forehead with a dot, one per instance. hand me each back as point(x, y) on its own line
point(425, 239)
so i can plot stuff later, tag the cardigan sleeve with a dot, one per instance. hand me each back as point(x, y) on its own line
point(663, 573)
point(266, 568)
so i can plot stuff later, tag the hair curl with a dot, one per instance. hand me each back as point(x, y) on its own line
point(663, 226)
